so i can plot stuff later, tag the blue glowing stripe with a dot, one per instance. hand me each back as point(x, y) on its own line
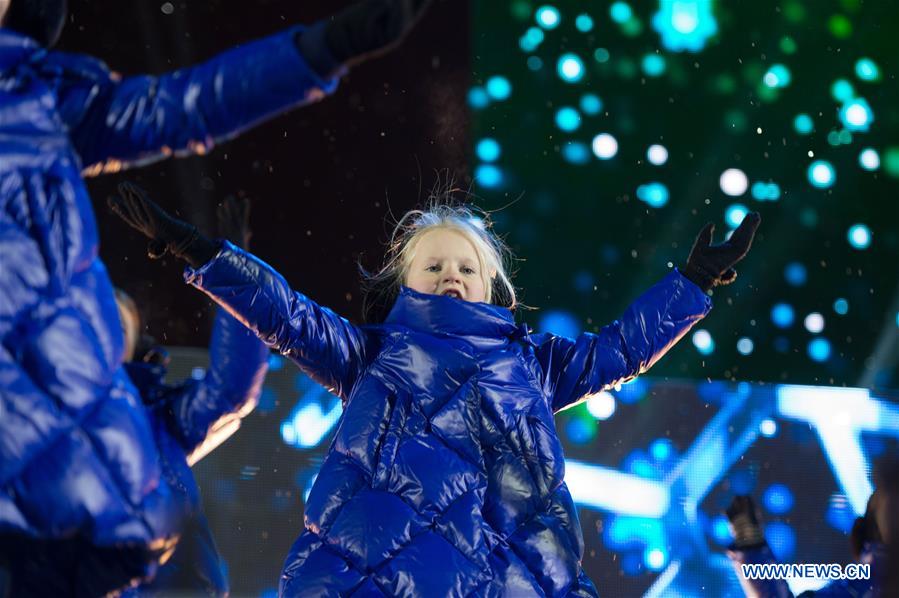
point(839, 416)
point(610, 490)
point(309, 421)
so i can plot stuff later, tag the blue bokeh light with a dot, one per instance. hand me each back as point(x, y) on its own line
point(570, 68)
point(778, 499)
point(841, 306)
point(763, 191)
point(803, 124)
point(654, 194)
point(499, 88)
point(568, 119)
point(576, 152)
point(478, 98)
point(561, 323)
point(745, 346)
point(590, 103)
point(867, 70)
point(488, 149)
point(579, 431)
point(869, 159)
point(782, 315)
point(842, 90)
point(621, 12)
point(703, 342)
point(584, 23)
point(548, 16)
point(488, 175)
point(777, 76)
point(821, 174)
point(859, 236)
point(735, 214)
point(856, 115)
point(819, 349)
point(720, 531)
point(653, 65)
point(685, 25)
point(531, 39)
point(796, 274)
point(661, 449)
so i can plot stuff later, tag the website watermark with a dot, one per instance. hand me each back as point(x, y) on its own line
point(806, 570)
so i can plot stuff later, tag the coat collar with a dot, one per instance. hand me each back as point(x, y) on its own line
point(16, 48)
point(481, 324)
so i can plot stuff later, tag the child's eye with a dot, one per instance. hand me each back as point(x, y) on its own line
point(467, 270)
point(433, 268)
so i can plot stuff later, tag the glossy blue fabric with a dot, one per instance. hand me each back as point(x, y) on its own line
point(190, 417)
point(77, 452)
point(445, 476)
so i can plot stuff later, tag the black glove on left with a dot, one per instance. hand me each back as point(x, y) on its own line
point(165, 232)
point(744, 519)
point(711, 265)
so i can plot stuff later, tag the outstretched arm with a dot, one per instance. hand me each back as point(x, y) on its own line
point(115, 122)
point(327, 347)
point(629, 346)
point(576, 368)
point(206, 412)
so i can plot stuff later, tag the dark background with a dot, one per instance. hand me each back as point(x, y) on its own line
point(321, 179)
point(324, 179)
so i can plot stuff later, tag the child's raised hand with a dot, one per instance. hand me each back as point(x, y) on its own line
point(166, 233)
point(711, 265)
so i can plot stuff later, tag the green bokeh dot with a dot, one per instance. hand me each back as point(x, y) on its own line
point(788, 45)
point(840, 27)
point(890, 161)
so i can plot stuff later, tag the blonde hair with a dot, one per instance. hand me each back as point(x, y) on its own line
point(381, 288)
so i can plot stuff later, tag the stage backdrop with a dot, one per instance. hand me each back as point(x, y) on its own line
point(652, 465)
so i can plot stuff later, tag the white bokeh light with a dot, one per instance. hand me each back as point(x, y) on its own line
point(814, 322)
point(605, 146)
point(657, 154)
point(734, 182)
point(601, 405)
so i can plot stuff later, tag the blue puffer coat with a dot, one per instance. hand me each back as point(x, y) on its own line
point(189, 420)
point(445, 476)
point(77, 456)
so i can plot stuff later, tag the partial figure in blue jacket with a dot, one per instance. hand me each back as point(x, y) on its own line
point(445, 476)
point(81, 482)
point(192, 418)
point(871, 542)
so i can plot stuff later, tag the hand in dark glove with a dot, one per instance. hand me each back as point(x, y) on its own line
point(165, 232)
point(362, 31)
point(744, 519)
point(234, 221)
point(710, 265)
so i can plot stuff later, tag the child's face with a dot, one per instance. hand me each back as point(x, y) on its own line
point(446, 263)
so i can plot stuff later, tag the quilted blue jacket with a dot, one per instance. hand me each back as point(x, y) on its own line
point(445, 476)
point(190, 419)
point(78, 460)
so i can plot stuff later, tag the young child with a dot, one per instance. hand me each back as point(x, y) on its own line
point(445, 476)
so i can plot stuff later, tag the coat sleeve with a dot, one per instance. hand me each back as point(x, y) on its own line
point(117, 122)
point(575, 368)
point(206, 412)
point(330, 349)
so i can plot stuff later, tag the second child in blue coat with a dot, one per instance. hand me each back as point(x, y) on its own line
point(445, 476)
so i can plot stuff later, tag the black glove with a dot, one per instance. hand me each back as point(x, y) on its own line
point(234, 221)
point(165, 232)
point(359, 32)
point(744, 519)
point(710, 265)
